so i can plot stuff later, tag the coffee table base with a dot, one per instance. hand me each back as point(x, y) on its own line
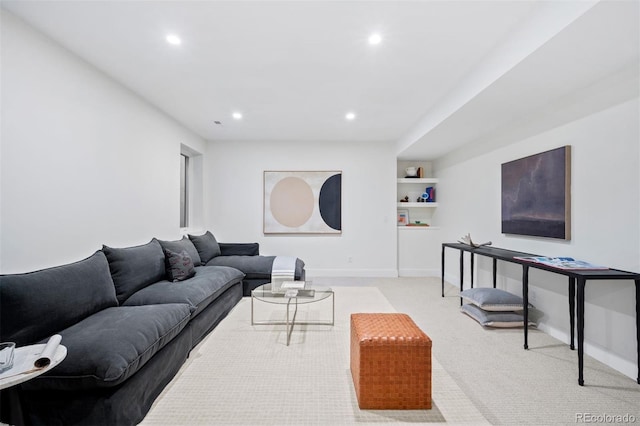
point(291, 319)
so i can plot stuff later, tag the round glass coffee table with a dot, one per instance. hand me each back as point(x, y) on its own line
point(309, 294)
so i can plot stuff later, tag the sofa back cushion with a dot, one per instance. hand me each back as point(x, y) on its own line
point(183, 244)
point(207, 246)
point(35, 305)
point(134, 268)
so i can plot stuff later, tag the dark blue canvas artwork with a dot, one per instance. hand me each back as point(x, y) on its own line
point(536, 195)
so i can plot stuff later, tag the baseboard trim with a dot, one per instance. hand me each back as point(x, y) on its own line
point(419, 272)
point(383, 273)
point(454, 280)
point(624, 366)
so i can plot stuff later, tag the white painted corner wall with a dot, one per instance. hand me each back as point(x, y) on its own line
point(605, 188)
point(84, 161)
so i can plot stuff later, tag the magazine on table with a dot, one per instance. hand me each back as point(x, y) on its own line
point(563, 263)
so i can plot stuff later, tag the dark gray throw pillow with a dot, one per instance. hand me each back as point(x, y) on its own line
point(183, 244)
point(179, 265)
point(207, 246)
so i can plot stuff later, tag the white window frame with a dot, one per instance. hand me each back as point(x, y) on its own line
point(193, 176)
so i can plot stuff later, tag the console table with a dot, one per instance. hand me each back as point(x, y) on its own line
point(574, 275)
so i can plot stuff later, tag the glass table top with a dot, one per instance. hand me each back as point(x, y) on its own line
point(309, 294)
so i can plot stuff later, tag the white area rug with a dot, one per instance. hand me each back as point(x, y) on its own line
point(246, 375)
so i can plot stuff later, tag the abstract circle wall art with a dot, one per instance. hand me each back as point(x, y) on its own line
point(302, 202)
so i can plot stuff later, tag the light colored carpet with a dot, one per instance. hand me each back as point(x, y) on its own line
point(259, 380)
point(246, 375)
point(509, 385)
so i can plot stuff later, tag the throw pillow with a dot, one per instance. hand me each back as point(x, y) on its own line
point(183, 244)
point(493, 299)
point(179, 265)
point(504, 319)
point(207, 246)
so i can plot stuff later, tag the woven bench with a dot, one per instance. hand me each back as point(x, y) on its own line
point(390, 362)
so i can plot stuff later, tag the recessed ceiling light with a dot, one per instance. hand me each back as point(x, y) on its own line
point(173, 39)
point(236, 115)
point(350, 116)
point(375, 38)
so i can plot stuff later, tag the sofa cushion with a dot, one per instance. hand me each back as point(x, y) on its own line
point(239, 249)
point(35, 305)
point(254, 266)
point(108, 347)
point(207, 246)
point(198, 291)
point(133, 268)
point(183, 244)
point(179, 265)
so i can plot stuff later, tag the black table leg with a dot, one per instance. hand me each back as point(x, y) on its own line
point(581, 282)
point(638, 324)
point(472, 263)
point(461, 273)
point(525, 303)
point(572, 309)
point(495, 271)
point(442, 263)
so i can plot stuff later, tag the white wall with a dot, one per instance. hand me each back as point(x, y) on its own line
point(605, 185)
point(234, 176)
point(84, 160)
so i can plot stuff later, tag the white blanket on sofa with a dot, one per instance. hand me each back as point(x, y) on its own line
point(283, 269)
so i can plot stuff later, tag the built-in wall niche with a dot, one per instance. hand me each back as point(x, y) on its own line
point(418, 245)
point(418, 186)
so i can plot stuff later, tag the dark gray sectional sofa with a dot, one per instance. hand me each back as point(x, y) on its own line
point(127, 328)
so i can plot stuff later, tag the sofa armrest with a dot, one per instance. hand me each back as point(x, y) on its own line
point(239, 249)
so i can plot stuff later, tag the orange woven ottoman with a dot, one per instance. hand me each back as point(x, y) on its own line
point(390, 362)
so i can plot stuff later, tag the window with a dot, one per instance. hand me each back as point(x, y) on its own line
point(184, 191)
point(191, 184)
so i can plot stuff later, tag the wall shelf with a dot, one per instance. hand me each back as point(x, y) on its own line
point(417, 228)
point(417, 180)
point(403, 205)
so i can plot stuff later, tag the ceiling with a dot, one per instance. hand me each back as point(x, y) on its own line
point(446, 73)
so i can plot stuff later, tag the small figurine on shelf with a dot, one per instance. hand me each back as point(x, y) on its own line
point(430, 194)
point(405, 199)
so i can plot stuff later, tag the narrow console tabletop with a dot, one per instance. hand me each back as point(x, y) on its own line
point(581, 276)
